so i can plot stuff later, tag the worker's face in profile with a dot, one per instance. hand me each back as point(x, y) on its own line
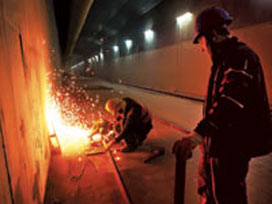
point(204, 45)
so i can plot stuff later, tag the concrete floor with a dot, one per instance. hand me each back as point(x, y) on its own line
point(126, 178)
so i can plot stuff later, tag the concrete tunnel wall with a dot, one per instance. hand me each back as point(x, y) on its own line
point(182, 67)
point(27, 36)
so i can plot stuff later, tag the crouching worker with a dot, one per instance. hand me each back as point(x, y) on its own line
point(133, 121)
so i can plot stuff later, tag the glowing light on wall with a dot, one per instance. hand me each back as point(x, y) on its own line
point(77, 65)
point(149, 35)
point(101, 56)
point(184, 19)
point(96, 58)
point(128, 44)
point(115, 48)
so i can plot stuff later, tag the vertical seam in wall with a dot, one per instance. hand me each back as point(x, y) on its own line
point(22, 52)
point(6, 163)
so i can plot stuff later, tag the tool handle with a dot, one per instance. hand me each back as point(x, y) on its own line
point(110, 144)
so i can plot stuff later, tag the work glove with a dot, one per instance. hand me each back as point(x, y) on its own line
point(183, 148)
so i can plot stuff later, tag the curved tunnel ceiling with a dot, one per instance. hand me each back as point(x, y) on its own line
point(109, 20)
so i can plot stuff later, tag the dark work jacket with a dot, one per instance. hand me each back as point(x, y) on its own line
point(236, 112)
point(137, 119)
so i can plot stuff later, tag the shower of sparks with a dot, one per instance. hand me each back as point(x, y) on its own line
point(71, 113)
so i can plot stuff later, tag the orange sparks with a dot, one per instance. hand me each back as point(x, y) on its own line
point(97, 137)
point(117, 158)
point(72, 138)
point(71, 114)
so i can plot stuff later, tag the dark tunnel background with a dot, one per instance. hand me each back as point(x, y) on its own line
point(110, 24)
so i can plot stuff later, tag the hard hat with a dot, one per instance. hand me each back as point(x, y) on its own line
point(112, 105)
point(208, 19)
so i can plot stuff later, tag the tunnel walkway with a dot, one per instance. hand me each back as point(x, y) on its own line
point(134, 181)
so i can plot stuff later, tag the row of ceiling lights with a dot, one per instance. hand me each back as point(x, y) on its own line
point(149, 36)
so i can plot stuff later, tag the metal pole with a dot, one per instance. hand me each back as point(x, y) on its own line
point(180, 180)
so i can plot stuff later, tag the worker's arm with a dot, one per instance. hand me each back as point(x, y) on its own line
point(131, 119)
point(234, 101)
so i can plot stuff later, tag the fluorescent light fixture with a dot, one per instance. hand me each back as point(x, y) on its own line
point(128, 44)
point(81, 63)
point(101, 56)
point(115, 48)
point(149, 35)
point(78, 64)
point(184, 19)
point(96, 58)
point(73, 67)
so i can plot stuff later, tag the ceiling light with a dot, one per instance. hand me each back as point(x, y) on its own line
point(96, 58)
point(101, 56)
point(184, 19)
point(149, 35)
point(115, 48)
point(128, 44)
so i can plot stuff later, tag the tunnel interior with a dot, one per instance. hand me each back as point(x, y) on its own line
point(61, 61)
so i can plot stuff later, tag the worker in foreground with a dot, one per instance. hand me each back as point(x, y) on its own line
point(132, 121)
point(236, 124)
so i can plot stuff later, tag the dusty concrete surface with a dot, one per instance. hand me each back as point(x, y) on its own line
point(91, 180)
point(145, 182)
point(153, 182)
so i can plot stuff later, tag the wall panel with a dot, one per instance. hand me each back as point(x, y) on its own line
point(27, 41)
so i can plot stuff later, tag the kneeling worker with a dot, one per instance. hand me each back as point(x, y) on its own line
point(132, 118)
